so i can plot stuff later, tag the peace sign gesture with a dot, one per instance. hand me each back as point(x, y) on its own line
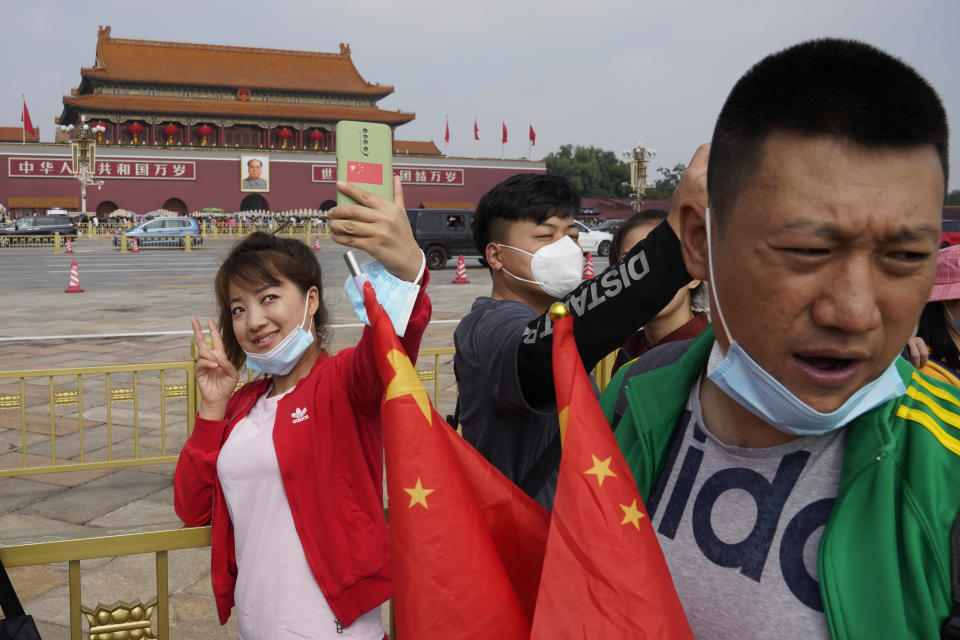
point(216, 375)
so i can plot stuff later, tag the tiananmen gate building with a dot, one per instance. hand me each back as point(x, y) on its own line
point(182, 123)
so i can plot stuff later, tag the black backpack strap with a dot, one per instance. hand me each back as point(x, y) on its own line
point(951, 626)
point(9, 601)
point(541, 470)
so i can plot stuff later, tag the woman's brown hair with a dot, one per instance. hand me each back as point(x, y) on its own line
point(262, 259)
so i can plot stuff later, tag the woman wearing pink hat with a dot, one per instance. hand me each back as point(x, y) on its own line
point(940, 321)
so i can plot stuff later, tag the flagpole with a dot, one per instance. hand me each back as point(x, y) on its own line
point(446, 142)
point(501, 138)
point(23, 122)
point(529, 141)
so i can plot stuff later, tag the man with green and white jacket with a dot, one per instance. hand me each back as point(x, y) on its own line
point(803, 479)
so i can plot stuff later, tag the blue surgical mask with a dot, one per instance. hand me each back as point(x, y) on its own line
point(396, 296)
point(282, 358)
point(752, 387)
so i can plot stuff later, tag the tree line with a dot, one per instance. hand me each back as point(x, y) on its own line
point(598, 173)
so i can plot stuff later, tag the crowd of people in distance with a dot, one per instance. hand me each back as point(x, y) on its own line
point(800, 474)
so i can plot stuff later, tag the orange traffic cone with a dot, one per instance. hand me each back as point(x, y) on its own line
point(136, 248)
point(74, 280)
point(588, 267)
point(69, 248)
point(461, 272)
point(316, 243)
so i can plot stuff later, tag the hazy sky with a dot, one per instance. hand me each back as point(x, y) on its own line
point(600, 72)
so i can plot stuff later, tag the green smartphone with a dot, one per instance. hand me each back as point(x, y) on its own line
point(365, 158)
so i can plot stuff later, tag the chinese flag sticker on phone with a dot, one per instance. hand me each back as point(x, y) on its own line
point(365, 172)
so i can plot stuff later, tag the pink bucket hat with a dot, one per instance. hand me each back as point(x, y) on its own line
point(946, 286)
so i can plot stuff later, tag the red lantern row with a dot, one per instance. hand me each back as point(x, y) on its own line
point(170, 130)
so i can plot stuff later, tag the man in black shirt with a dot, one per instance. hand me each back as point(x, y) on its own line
point(524, 229)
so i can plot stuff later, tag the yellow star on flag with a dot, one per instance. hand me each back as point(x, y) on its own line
point(418, 495)
point(564, 416)
point(630, 514)
point(406, 382)
point(601, 469)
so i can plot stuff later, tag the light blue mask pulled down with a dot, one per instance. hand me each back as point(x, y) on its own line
point(396, 296)
point(281, 359)
point(752, 387)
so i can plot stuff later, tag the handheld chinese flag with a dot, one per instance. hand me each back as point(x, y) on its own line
point(476, 130)
point(467, 545)
point(365, 172)
point(446, 133)
point(504, 132)
point(533, 136)
point(27, 124)
point(604, 574)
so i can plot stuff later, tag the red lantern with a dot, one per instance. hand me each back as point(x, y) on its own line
point(170, 130)
point(135, 129)
point(204, 131)
point(284, 134)
point(316, 135)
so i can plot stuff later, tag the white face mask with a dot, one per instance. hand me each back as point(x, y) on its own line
point(557, 268)
point(281, 359)
point(752, 387)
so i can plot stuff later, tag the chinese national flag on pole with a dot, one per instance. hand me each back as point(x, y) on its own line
point(504, 132)
point(27, 124)
point(476, 130)
point(467, 545)
point(604, 574)
point(446, 133)
point(533, 136)
point(365, 172)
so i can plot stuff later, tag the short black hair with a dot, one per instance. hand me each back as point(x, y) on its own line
point(525, 196)
point(842, 88)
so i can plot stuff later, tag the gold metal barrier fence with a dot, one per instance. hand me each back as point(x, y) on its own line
point(108, 417)
point(96, 417)
point(120, 619)
point(35, 241)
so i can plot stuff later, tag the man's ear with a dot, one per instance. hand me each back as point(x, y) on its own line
point(693, 239)
point(492, 254)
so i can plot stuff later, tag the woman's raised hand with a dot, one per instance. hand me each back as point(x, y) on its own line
point(216, 375)
point(379, 227)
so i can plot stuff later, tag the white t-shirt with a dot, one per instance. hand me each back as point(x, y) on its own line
point(276, 595)
point(740, 529)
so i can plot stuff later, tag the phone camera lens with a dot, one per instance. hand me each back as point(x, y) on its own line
point(365, 149)
point(365, 130)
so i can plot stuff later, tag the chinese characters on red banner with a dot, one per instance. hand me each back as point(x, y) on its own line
point(137, 169)
point(412, 175)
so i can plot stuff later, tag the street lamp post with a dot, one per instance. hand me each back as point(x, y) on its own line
point(639, 158)
point(84, 148)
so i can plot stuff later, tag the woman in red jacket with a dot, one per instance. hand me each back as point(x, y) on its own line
point(288, 469)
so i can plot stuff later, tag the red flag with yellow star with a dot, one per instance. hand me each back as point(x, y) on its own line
point(604, 574)
point(466, 543)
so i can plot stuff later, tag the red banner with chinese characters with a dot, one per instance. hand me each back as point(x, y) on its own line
point(126, 169)
point(434, 176)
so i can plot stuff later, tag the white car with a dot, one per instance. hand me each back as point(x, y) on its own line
point(593, 240)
